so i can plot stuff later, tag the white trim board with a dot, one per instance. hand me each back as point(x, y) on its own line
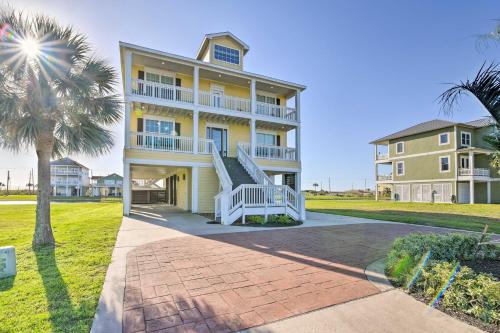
point(420, 154)
point(167, 163)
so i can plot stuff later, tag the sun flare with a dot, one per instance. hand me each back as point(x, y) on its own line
point(30, 47)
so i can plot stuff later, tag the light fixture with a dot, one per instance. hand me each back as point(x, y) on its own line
point(163, 62)
point(272, 87)
point(220, 75)
point(30, 47)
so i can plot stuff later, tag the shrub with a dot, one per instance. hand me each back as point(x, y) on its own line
point(475, 294)
point(256, 219)
point(450, 247)
point(280, 219)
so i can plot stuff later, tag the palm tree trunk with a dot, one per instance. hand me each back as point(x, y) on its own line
point(43, 230)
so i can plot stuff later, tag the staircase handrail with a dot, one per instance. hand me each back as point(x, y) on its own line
point(251, 167)
point(224, 177)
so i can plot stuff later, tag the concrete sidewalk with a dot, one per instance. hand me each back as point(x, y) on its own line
point(389, 312)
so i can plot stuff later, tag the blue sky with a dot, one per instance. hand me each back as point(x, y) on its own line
point(371, 67)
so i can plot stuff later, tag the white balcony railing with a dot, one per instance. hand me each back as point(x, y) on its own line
point(382, 157)
point(224, 102)
point(205, 146)
point(476, 172)
point(161, 142)
point(64, 171)
point(162, 91)
point(276, 111)
point(384, 177)
point(66, 182)
point(271, 152)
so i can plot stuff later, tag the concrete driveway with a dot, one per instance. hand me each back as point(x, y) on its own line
point(172, 272)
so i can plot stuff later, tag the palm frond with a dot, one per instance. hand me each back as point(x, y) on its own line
point(485, 87)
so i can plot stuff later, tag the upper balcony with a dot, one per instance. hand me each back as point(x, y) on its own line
point(480, 172)
point(193, 85)
point(63, 170)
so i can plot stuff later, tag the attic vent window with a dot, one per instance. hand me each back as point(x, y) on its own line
point(227, 54)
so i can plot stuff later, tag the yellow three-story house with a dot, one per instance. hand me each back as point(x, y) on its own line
point(203, 135)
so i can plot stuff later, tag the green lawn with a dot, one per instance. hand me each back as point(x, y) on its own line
point(468, 217)
point(28, 197)
point(18, 197)
point(57, 289)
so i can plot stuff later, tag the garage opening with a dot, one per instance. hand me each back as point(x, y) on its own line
point(161, 185)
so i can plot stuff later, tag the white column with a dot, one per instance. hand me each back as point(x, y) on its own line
point(471, 185)
point(253, 96)
point(127, 191)
point(297, 143)
point(253, 138)
point(195, 131)
point(488, 192)
point(376, 181)
point(128, 112)
point(376, 151)
point(297, 104)
point(194, 189)
point(128, 73)
point(196, 84)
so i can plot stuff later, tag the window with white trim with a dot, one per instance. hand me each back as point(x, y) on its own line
point(464, 162)
point(400, 168)
point(444, 139)
point(159, 126)
point(444, 164)
point(227, 54)
point(266, 99)
point(400, 147)
point(466, 139)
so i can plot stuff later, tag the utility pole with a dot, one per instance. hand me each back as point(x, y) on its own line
point(329, 185)
point(8, 181)
point(365, 184)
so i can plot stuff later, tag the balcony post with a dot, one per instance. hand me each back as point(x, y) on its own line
point(253, 97)
point(297, 105)
point(128, 112)
point(195, 130)
point(471, 184)
point(196, 84)
point(128, 73)
point(297, 143)
point(194, 189)
point(126, 192)
point(488, 192)
point(376, 180)
point(253, 138)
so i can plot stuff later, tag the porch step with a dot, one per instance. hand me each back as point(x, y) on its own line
point(237, 172)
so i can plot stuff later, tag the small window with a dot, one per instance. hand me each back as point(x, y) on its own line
point(400, 147)
point(266, 139)
point(227, 54)
point(464, 162)
point(444, 139)
point(466, 139)
point(400, 168)
point(444, 163)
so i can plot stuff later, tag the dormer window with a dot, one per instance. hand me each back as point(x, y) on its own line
point(227, 54)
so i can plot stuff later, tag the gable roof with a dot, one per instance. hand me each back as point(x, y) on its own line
point(435, 125)
point(67, 161)
point(113, 175)
point(206, 39)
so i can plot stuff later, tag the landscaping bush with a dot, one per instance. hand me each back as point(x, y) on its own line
point(256, 219)
point(449, 247)
point(280, 219)
point(475, 294)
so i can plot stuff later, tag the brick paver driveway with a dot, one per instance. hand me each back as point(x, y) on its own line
point(228, 282)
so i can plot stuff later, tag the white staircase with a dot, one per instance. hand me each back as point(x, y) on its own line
point(263, 198)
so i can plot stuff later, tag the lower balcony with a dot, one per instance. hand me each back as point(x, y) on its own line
point(481, 172)
point(168, 143)
point(271, 152)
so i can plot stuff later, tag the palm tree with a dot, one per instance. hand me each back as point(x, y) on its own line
point(55, 97)
point(486, 88)
point(315, 185)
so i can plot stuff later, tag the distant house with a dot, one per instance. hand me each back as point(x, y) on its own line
point(439, 161)
point(69, 178)
point(108, 186)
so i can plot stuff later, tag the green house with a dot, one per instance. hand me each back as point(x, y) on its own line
point(438, 161)
point(108, 186)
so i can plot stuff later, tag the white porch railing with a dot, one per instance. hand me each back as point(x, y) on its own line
point(224, 102)
point(69, 182)
point(384, 177)
point(162, 91)
point(476, 172)
point(271, 152)
point(64, 171)
point(262, 196)
point(205, 146)
point(220, 169)
point(251, 167)
point(276, 111)
point(382, 157)
point(161, 142)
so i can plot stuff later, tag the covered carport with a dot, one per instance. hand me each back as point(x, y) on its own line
point(158, 184)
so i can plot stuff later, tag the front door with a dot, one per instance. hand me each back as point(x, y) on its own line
point(219, 135)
